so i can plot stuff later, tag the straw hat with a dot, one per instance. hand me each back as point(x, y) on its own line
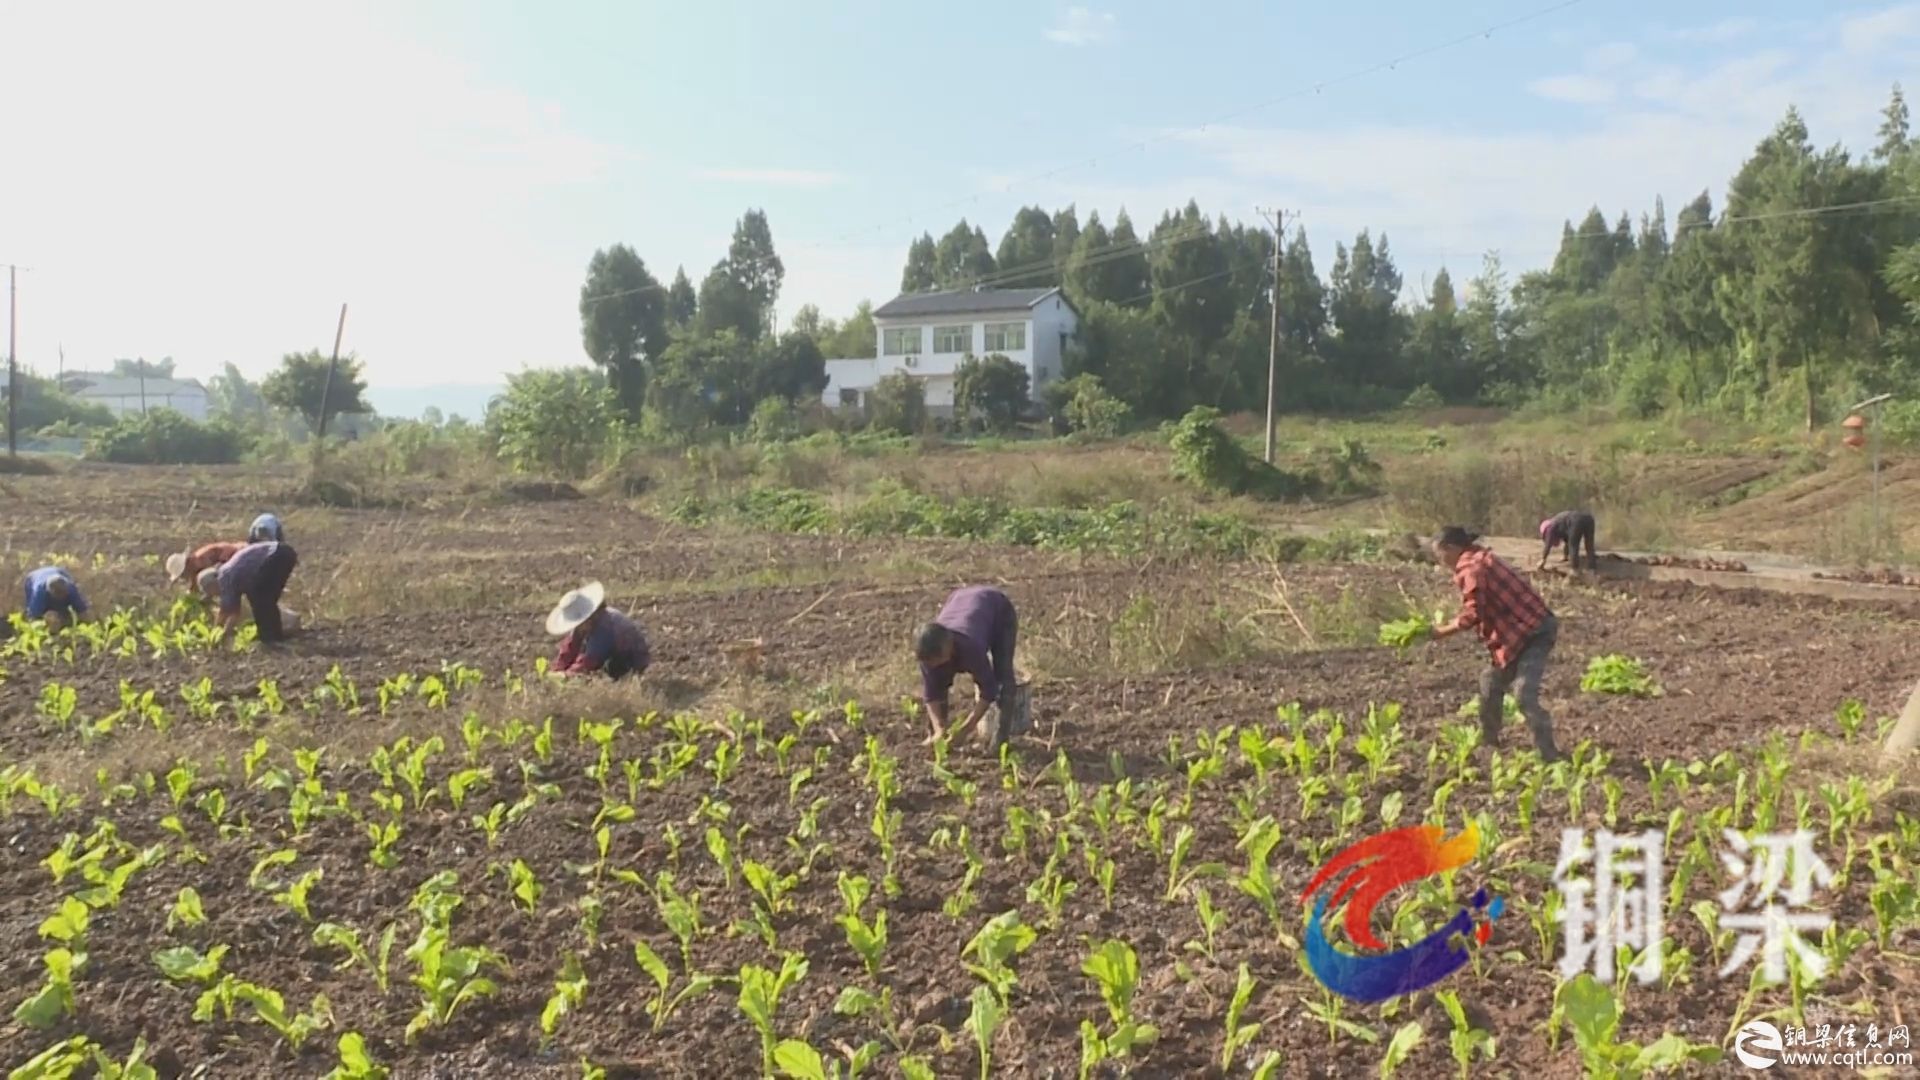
point(575, 608)
point(176, 565)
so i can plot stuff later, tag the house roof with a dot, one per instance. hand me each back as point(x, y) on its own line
point(89, 385)
point(961, 302)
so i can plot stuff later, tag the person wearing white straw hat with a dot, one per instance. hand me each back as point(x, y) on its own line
point(185, 566)
point(596, 638)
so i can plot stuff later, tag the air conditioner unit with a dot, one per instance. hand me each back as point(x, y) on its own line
point(912, 361)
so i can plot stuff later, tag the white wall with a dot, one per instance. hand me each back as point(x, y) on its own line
point(192, 403)
point(1052, 317)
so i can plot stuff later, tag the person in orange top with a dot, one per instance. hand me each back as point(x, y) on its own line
point(185, 566)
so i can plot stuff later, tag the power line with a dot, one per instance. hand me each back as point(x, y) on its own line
point(1304, 90)
point(1317, 87)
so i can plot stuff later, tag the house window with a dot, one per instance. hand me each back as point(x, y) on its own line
point(901, 342)
point(849, 397)
point(1006, 337)
point(953, 339)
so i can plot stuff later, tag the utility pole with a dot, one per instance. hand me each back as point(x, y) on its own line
point(13, 361)
point(1273, 343)
point(326, 393)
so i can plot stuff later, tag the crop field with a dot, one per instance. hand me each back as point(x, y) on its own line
point(395, 846)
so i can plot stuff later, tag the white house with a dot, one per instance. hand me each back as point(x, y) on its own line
point(124, 394)
point(926, 335)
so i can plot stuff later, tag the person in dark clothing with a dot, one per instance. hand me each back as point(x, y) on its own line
point(259, 572)
point(974, 633)
point(1572, 528)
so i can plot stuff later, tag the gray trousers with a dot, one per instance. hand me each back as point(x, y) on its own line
point(1522, 677)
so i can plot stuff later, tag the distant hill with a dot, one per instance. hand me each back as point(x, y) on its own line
point(452, 399)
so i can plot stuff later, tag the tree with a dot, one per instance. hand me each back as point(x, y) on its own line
point(791, 368)
point(1026, 254)
point(623, 322)
point(920, 274)
point(1066, 236)
point(1131, 279)
point(1303, 310)
point(855, 339)
point(726, 305)
point(234, 397)
point(682, 303)
point(807, 321)
point(1894, 136)
point(897, 403)
point(961, 259)
point(714, 375)
point(752, 262)
point(1438, 346)
point(149, 369)
point(991, 391)
point(554, 420)
point(1189, 268)
point(44, 404)
point(299, 385)
point(1362, 297)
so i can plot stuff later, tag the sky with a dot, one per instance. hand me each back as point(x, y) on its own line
point(211, 181)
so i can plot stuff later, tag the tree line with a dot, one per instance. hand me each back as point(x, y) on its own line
point(1802, 290)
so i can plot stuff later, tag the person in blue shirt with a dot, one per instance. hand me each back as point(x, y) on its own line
point(52, 594)
point(266, 527)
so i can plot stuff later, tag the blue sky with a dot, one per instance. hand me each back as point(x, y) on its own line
point(210, 181)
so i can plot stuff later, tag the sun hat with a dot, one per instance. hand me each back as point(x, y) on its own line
point(1545, 528)
point(208, 582)
point(176, 566)
point(575, 608)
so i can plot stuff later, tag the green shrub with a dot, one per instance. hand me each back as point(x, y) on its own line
point(774, 420)
point(1084, 407)
point(167, 437)
point(990, 393)
point(1207, 457)
point(898, 404)
point(556, 421)
point(1425, 396)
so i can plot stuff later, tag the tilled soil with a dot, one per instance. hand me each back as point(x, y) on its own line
point(1734, 668)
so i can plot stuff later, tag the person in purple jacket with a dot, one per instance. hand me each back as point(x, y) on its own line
point(974, 634)
point(52, 594)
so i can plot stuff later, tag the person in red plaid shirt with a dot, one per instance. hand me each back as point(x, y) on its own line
point(1517, 626)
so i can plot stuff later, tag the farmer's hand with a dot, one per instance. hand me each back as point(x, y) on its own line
point(1445, 630)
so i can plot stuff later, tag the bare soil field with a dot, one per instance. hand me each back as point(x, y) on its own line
point(719, 810)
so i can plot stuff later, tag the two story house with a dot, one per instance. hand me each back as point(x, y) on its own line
point(926, 335)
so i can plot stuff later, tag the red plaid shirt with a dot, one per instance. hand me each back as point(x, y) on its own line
point(1497, 603)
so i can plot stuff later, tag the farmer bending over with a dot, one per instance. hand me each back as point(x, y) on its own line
point(974, 633)
point(53, 595)
point(1572, 528)
point(258, 572)
point(598, 638)
point(1518, 628)
point(266, 527)
point(186, 566)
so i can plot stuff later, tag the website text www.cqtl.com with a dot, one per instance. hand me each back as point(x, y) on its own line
point(1847, 1059)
